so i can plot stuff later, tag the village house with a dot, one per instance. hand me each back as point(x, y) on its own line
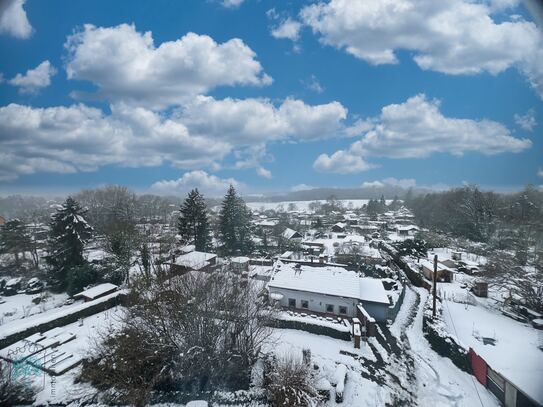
point(327, 290)
point(292, 235)
point(444, 273)
point(339, 227)
point(409, 230)
point(198, 261)
point(2, 221)
point(239, 264)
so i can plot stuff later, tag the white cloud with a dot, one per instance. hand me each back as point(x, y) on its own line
point(287, 29)
point(34, 79)
point(453, 37)
point(341, 162)
point(232, 3)
point(206, 183)
point(540, 172)
point(80, 138)
point(526, 121)
point(301, 187)
point(391, 181)
point(416, 128)
point(263, 172)
point(255, 121)
point(200, 135)
point(13, 19)
point(126, 65)
point(313, 84)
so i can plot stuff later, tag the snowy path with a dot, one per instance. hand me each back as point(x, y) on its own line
point(439, 382)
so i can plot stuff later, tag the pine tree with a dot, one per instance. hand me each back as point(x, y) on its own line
point(193, 222)
point(15, 239)
point(68, 235)
point(234, 224)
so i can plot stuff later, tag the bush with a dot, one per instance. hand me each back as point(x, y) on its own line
point(12, 392)
point(289, 382)
point(79, 277)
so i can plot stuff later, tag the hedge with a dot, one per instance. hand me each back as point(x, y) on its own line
point(311, 328)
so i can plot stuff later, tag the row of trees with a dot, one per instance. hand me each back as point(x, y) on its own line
point(233, 225)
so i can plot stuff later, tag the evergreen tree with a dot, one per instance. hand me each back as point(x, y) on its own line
point(68, 235)
point(193, 222)
point(14, 239)
point(234, 224)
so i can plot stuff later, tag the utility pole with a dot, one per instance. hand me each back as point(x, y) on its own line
point(434, 288)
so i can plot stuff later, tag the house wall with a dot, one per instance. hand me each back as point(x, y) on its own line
point(317, 302)
point(376, 310)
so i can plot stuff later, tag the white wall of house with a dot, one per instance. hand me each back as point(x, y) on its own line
point(317, 302)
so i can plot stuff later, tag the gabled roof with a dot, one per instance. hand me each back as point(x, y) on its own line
point(195, 260)
point(331, 280)
point(291, 233)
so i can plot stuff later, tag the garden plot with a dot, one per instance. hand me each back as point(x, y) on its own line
point(19, 306)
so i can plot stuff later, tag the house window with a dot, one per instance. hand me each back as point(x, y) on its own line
point(342, 309)
point(292, 302)
point(305, 304)
point(329, 308)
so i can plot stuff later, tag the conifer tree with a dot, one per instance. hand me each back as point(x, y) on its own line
point(68, 235)
point(14, 239)
point(193, 221)
point(234, 224)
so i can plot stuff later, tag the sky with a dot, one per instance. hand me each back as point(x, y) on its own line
point(167, 95)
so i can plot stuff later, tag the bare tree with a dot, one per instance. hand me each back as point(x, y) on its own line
point(198, 332)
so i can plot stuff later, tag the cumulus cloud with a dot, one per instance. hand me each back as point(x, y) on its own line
point(341, 162)
point(540, 172)
point(254, 121)
point(287, 29)
point(126, 65)
point(13, 19)
point(526, 121)
point(417, 128)
point(206, 183)
point(453, 37)
point(199, 135)
point(391, 181)
point(34, 79)
point(81, 138)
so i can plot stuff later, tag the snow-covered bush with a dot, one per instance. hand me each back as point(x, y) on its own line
point(289, 382)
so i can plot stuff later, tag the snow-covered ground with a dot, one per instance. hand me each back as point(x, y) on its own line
point(439, 381)
point(20, 306)
point(515, 353)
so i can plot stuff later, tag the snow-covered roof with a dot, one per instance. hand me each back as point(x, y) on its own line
point(340, 225)
point(97, 290)
point(290, 233)
point(194, 259)
point(329, 280)
point(430, 265)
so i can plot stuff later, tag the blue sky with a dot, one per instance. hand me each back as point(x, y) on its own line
point(270, 96)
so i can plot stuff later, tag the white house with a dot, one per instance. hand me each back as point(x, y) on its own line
point(327, 290)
